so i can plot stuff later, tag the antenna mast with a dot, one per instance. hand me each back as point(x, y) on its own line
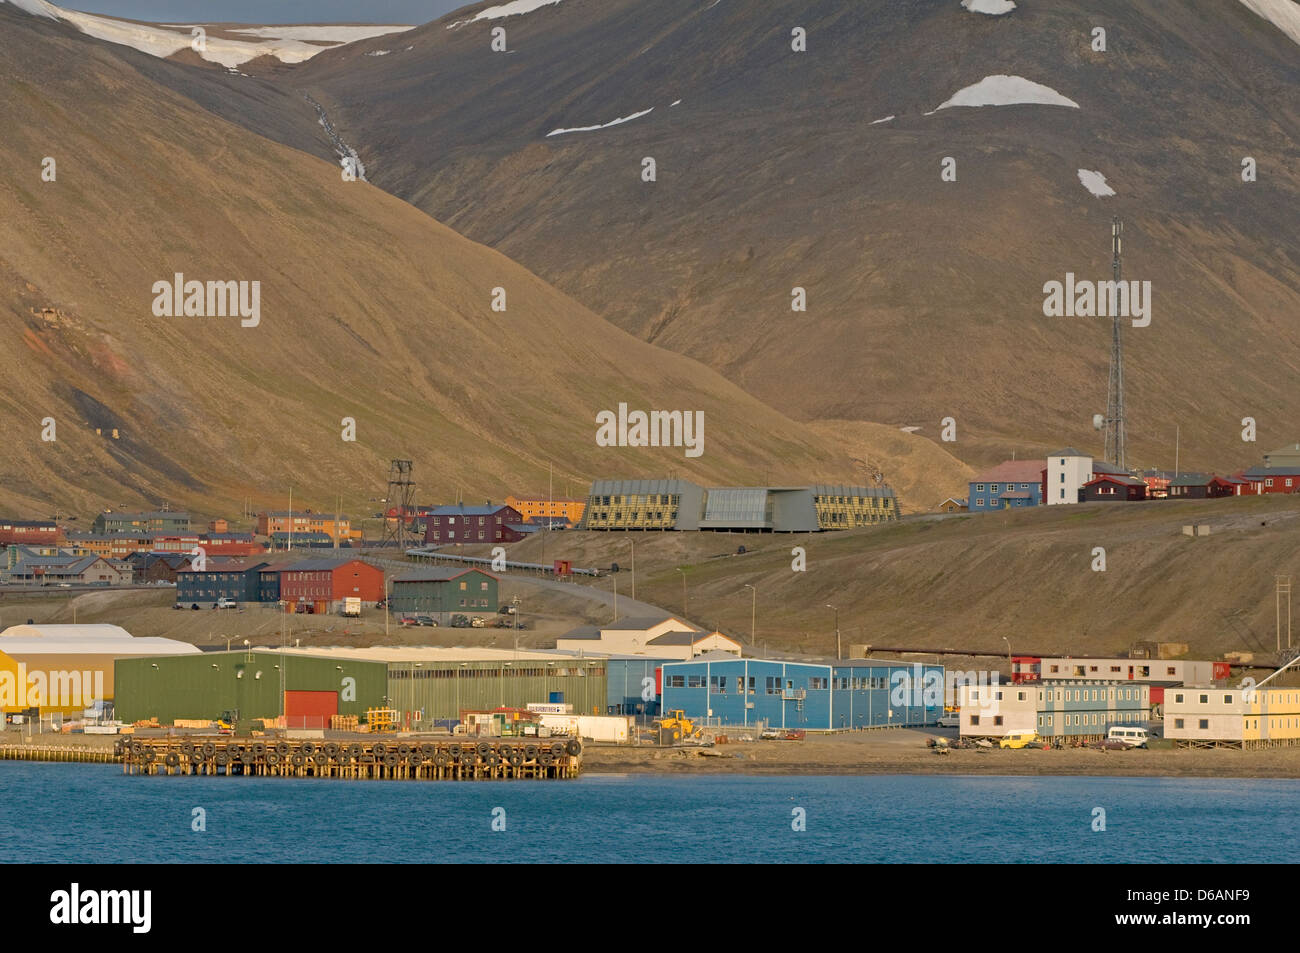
point(1115, 397)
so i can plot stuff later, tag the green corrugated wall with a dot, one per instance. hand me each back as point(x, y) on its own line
point(204, 686)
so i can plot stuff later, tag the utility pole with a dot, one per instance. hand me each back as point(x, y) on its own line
point(290, 549)
point(633, 542)
point(838, 653)
point(753, 614)
point(1115, 424)
point(1282, 593)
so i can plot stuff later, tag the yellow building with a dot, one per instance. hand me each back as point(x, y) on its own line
point(68, 668)
point(539, 507)
point(1232, 717)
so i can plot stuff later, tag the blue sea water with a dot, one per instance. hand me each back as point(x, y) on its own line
point(70, 813)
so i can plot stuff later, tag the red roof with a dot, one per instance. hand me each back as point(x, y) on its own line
point(1014, 471)
point(1115, 478)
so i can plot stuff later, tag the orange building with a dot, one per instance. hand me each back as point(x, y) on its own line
point(305, 521)
point(539, 507)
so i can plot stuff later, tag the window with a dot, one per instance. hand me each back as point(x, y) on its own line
point(717, 685)
point(1205, 699)
point(816, 682)
point(773, 686)
point(1227, 699)
point(1205, 723)
point(993, 487)
point(997, 720)
point(1178, 699)
point(974, 719)
point(677, 681)
point(979, 488)
point(694, 681)
point(1170, 670)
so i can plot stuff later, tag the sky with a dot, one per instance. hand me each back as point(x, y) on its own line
point(270, 11)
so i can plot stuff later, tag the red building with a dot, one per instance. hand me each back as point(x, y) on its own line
point(30, 533)
point(1112, 487)
point(1260, 480)
point(323, 584)
point(473, 524)
point(1026, 668)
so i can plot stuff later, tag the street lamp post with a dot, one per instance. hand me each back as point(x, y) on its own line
point(632, 542)
point(683, 572)
point(1010, 672)
point(753, 615)
point(838, 653)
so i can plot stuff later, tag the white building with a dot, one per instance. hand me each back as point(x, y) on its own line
point(669, 638)
point(1067, 471)
point(1233, 716)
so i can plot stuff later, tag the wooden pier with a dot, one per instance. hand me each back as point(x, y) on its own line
point(27, 752)
point(468, 760)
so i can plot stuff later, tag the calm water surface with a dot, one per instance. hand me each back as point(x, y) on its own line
point(93, 813)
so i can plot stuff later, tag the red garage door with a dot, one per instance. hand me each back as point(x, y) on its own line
point(310, 709)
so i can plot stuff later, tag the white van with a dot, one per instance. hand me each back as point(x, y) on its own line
point(1133, 737)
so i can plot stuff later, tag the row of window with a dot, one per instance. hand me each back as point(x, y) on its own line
point(672, 499)
point(993, 487)
point(443, 673)
point(718, 683)
point(1064, 694)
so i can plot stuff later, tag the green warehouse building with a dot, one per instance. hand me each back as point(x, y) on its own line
point(425, 684)
point(248, 683)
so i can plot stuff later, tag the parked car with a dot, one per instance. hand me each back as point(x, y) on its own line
point(459, 621)
point(1130, 736)
point(1018, 739)
point(506, 610)
point(224, 603)
point(478, 622)
point(407, 620)
point(426, 620)
point(950, 719)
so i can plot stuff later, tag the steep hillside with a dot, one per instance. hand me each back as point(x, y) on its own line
point(964, 582)
point(822, 169)
point(368, 309)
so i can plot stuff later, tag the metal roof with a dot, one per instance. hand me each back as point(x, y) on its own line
point(452, 510)
point(438, 574)
point(1013, 471)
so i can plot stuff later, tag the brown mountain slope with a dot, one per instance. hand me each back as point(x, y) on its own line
point(369, 309)
point(925, 296)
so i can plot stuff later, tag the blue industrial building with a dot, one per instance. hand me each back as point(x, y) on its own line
point(814, 696)
point(627, 685)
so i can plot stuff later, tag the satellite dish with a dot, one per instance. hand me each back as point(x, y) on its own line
point(1098, 421)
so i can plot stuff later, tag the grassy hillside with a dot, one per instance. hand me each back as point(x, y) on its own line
point(924, 296)
point(370, 310)
point(963, 582)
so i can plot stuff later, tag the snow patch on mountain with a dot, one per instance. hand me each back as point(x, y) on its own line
point(1003, 90)
point(322, 34)
point(876, 122)
point(1283, 14)
point(37, 8)
point(612, 122)
point(993, 8)
point(162, 42)
point(1095, 183)
point(511, 9)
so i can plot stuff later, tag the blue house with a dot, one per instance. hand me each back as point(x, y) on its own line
point(816, 696)
point(1015, 483)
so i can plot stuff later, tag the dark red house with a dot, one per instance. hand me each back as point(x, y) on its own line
point(473, 524)
point(1260, 480)
point(1114, 487)
point(323, 584)
point(30, 533)
point(1198, 486)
